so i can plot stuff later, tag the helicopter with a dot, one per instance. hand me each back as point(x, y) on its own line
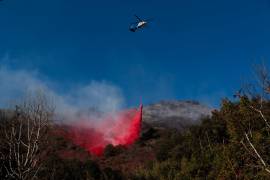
point(138, 25)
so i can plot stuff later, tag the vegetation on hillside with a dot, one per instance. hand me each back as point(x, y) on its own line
point(234, 143)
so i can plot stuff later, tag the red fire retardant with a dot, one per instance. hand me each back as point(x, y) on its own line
point(121, 128)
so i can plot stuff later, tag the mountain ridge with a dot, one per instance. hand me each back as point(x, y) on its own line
point(176, 114)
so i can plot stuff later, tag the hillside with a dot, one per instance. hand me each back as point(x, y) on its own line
point(215, 147)
point(175, 114)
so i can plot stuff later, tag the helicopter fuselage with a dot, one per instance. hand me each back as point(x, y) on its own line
point(141, 24)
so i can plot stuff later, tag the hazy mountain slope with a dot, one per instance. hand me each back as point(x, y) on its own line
point(174, 114)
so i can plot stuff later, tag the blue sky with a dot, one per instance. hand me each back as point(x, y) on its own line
point(198, 50)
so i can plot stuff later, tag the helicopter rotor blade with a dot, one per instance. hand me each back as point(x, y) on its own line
point(137, 17)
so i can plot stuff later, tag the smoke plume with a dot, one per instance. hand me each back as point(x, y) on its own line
point(92, 112)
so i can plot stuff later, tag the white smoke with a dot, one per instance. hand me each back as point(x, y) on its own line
point(97, 95)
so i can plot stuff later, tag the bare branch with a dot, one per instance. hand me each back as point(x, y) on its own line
point(24, 133)
point(257, 154)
